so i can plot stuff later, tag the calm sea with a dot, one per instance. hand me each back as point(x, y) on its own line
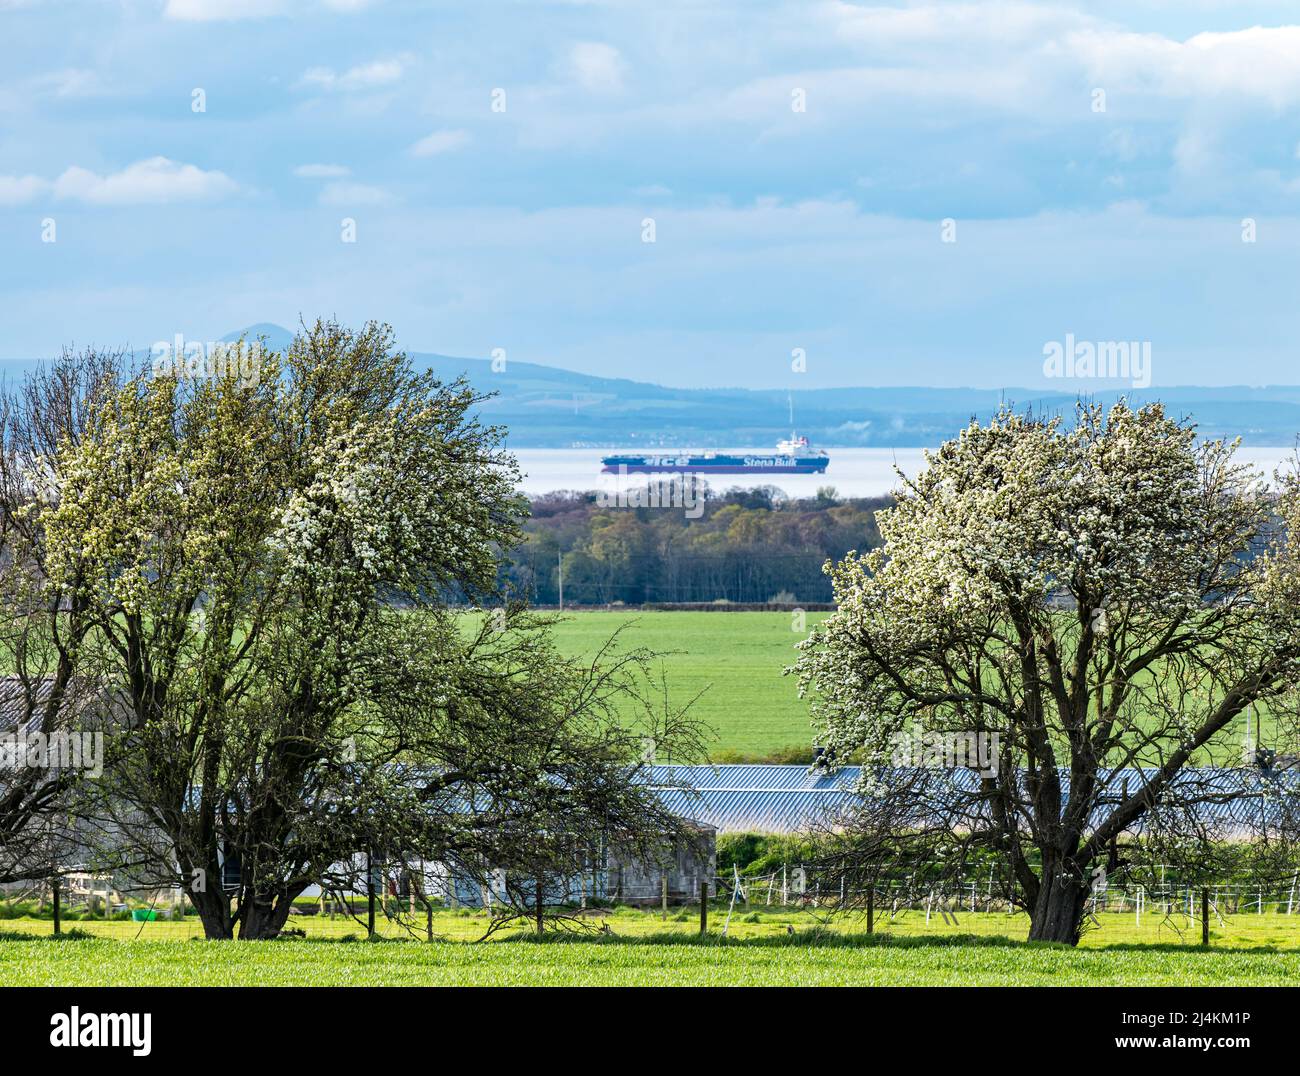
point(854, 472)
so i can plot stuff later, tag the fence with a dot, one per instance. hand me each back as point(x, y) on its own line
point(791, 885)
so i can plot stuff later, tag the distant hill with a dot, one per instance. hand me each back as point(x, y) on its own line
point(276, 337)
point(546, 407)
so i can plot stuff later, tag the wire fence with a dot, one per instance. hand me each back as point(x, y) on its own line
point(793, 886)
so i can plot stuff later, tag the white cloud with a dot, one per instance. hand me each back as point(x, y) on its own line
point(1006, 25)
point(70, 82)
point(154, 180)
point(596, 66)
point(361, 77)
point(1262, 62)
point(213, 10)
point(440, 142)
point(353, 194)
point(322, 171)
point(16, 190)
point(1045, 44)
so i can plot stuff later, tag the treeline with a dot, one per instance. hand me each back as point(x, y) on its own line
point(747, 546)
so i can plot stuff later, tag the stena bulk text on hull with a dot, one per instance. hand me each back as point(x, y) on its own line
point(791, 457)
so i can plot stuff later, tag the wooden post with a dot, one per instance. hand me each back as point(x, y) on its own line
point(1205, 916)
point(704, 907)
point(54, 886)
point(541, 921)
point(370, 894)
point(871, 907)
point(663, 896)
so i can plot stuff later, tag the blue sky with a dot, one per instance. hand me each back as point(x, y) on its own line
point(774, 228)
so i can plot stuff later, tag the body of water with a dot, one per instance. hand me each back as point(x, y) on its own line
point(854, 472)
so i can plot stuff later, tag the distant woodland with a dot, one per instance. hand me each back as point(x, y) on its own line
point(748, 546)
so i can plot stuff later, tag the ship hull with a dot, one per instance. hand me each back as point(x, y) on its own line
point(715, 464)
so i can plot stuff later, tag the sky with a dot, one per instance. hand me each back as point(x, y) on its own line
point(836, 194)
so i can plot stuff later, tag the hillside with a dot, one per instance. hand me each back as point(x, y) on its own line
point(547, 407)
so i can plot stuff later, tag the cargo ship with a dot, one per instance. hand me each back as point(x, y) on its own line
point(791, 457)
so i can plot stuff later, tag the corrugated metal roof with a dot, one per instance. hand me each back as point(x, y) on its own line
point(22, 703)
point(755, 778)
point(788, 799)
point(757, 811)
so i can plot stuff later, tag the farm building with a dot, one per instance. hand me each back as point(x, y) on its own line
point(619, 878)
point(779, 799)
point(755, 798)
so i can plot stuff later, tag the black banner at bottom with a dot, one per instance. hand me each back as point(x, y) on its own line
point(332, 1025)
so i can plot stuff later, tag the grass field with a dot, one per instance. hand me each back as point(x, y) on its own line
point(737, 657)
point(643, 949)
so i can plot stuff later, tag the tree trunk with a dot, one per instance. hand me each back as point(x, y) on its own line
point(1057, 914)
point(264, 919)
point(214, 913)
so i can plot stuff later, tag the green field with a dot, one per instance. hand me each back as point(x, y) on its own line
point(643, 949)
point(736, 658)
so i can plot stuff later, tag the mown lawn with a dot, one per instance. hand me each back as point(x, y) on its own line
point(643, 949)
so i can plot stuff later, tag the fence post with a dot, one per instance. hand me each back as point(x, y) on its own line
point(370, 896)
point(663, 895)
point(871, 907)
point(1205, 916)
point(704, 907)
point(57, 922)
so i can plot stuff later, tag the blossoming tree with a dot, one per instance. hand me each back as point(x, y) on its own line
point(1108, 598)
point(266, 563)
